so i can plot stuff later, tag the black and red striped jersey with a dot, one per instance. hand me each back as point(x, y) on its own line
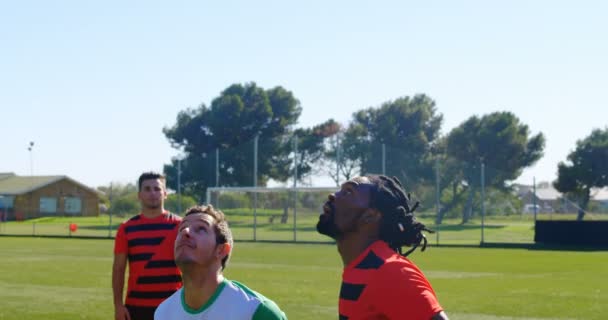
point(148, 244)
point(382, 284)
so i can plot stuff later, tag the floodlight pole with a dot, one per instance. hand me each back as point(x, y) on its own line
point(295, 185)
point(255, 184)
point(30, 149)
point(110, 212)
point(437, 200)
point(383, 159)
point(338, 161)
point(217, 167)
point(534, 197)
point(483, 199)
point(179, 185)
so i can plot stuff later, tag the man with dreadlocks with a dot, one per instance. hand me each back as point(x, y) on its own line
point(371, 218)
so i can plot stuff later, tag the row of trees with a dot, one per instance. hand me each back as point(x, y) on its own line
point(121, 199)
point(410, 126)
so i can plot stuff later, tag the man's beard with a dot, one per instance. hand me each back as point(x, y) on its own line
point(151, 206)
point(327, 225)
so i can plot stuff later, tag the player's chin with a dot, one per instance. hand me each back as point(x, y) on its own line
point(327, 227)
point(153, 206)
point(184, 259)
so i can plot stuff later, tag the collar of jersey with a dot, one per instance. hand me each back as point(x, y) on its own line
point(206, 305)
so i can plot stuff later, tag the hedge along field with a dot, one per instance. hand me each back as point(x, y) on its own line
point(70, 279)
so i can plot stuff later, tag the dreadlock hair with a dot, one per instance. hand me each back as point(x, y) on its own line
point(398, 226)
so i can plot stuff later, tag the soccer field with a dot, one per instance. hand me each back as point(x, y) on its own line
point(59, 279)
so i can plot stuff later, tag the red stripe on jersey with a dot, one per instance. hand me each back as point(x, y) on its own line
point(381, 284)
point(148, 244)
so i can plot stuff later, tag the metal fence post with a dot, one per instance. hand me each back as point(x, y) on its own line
point(255, 184)
point(295, 185)
point(483, 199)
point(383, 159)
point(437, 201)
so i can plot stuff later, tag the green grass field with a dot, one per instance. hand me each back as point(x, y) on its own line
point(497, 229)
point(58, 279)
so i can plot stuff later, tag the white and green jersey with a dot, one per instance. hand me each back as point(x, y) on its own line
point(231, 301)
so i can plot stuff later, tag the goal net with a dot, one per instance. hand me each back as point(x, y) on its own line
point(271, 214)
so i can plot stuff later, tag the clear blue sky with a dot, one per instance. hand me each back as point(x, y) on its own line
point(93, 84)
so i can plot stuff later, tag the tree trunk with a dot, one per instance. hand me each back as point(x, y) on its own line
point(456, 198)
point(467, 211)
point(583, 204)
point(285, 214)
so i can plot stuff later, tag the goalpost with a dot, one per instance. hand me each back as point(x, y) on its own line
point(270, 209)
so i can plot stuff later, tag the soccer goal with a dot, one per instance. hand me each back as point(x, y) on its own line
point(271, 214)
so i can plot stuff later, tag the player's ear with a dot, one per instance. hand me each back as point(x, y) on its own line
point(223, 250)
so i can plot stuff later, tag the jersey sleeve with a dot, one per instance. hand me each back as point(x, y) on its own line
point(405, 290)
point(120, 241)
point(268, 310)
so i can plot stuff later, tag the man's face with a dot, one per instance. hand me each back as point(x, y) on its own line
point(152, 194)
point(196, 241)
point(342, 211)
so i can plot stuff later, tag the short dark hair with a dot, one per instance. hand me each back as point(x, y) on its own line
point(150, 175)
point(398, 226)
point(223, 234)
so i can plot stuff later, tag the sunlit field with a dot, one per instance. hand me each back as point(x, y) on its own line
point(47, 278)
point(516, 229)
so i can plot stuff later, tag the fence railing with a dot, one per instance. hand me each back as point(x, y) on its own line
point(465, 202)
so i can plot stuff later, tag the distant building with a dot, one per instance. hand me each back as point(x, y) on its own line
point(26, 197)
point(601, 197)
point(548, 199)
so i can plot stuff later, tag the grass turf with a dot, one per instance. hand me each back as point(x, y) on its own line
point(70, 279)
point(497, 229)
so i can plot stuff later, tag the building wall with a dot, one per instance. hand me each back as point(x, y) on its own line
point(27, 206)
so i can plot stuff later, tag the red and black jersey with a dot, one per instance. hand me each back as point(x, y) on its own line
point(382, 284)
point(148, 243)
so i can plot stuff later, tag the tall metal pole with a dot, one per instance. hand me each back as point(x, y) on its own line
point(437, 200)
point(179, 185)
point(534, 197)
point(31, 148)
point(110, 226)
point(483, 199)
point(217, 167)
point(383, 159)
point(295, 184)
point(338, 161)
point(255, 184)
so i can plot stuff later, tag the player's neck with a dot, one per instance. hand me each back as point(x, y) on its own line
point(152, 213)
point(350, 247)
point(199, 288)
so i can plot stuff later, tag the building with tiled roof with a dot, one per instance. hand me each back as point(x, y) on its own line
point(26, 197)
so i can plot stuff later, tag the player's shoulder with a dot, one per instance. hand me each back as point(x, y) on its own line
point(172, 217)
point(165, 308)
point(267, 309)
point(130, 221)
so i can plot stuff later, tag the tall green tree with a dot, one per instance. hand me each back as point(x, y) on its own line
point(501, 142)
point(408, 127)
point(586, 168)
point(230, 125)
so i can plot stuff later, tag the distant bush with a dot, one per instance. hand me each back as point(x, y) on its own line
point(172, 203)
point(234, 200)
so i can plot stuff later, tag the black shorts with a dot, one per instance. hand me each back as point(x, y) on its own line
point(141, 313)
